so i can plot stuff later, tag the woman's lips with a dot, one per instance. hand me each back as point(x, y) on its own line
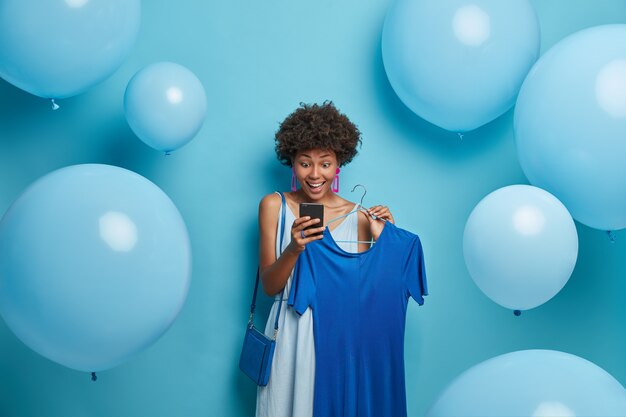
point(318, 189)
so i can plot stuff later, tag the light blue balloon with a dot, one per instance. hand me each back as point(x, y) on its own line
point(459, 64)
point(60, 48)
point(520, 246)
point(165, 105)
point(570, 125)
point(94, 265)
point(534, 383)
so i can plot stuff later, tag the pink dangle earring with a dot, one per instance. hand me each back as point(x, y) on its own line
point(294, 184)
point(335, 185)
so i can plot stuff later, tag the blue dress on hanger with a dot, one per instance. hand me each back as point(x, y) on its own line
point(359, 303)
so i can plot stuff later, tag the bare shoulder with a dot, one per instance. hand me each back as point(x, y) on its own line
point(270, 203)
point(269, 207)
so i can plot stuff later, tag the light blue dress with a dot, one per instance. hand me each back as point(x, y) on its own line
point(290, 390)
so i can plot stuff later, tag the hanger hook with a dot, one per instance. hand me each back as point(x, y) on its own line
point(364, 192)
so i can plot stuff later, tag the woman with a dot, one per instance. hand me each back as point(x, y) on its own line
point(315, 140)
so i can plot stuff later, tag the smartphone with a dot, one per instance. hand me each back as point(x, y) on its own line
point(316, 211)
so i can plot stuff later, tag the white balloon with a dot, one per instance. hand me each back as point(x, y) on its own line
point(520, 246)
point(537, 383)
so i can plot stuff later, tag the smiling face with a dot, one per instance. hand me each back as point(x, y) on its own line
point(315, 169)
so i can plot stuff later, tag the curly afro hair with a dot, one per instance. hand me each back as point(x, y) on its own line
point(313, 126)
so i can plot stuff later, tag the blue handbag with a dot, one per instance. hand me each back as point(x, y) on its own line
point(258, 349)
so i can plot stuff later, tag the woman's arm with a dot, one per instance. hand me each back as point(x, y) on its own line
point(275, 272)
point(371, 228)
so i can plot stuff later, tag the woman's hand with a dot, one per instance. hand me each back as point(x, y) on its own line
point(377, 216)
point(300, 237)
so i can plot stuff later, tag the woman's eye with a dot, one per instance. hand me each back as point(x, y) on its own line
point(326, 165)
point(304, 165)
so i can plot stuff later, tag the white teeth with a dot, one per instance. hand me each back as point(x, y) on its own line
point(316, 185)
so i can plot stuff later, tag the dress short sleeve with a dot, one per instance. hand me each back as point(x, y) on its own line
point(415, 273)
point(303, 286)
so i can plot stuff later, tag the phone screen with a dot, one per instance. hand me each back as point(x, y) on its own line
point(315, 210)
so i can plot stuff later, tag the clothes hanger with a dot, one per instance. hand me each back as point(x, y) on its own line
point(359, 207)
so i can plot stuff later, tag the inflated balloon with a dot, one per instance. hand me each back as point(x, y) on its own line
point(570, 122)
point(58, 49)
point(459, 64)
point(165, 105)
point(94, 265)
point(537, 383)
point(520, 246)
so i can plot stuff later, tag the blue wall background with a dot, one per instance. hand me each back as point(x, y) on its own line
point(257, 61)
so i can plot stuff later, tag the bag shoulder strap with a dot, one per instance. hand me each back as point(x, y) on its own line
point(283, 209)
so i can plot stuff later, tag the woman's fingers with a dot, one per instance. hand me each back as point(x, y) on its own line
point(297, 222)
point(302, 236)
point(310, 222)
point(312, 234)
point(381, 212)
point(376, 211)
